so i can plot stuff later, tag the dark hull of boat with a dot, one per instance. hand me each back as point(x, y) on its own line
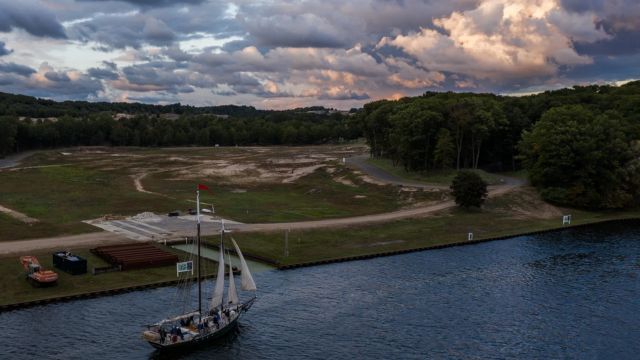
point(200, 340)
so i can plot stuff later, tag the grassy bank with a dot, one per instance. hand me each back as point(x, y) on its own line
point(501, 217)
point(15, 288)
point(436, 177)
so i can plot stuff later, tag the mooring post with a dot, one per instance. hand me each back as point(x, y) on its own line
point(286, 243)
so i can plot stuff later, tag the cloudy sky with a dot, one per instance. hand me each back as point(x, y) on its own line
point(337, 53)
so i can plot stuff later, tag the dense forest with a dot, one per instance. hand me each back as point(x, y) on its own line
point(581, 146)
point(30, 123)
point(22, 105)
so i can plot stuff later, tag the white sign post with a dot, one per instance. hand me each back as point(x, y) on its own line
point(186, 266)
point(566, 220)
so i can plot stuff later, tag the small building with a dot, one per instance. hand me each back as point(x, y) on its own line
point(67, 262)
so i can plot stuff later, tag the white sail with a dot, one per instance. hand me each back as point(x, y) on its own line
point(218, 292)
point(233, 293)
point(247, 279)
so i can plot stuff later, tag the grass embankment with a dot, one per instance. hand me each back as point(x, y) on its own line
point(315, 196)
point(15, 288)
point(435, 177)
point(512, 214)
point(518, 212)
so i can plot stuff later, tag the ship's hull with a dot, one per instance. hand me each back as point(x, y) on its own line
point(199, 340)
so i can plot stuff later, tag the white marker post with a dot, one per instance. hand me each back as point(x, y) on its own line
point(470, 236)
point(566, 220)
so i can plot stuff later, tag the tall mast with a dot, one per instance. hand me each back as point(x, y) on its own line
point(198, 236)
point(222, 251)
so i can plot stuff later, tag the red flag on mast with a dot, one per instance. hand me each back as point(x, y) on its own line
point(202, 187)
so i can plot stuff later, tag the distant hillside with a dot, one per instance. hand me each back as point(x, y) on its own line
point(28, 106)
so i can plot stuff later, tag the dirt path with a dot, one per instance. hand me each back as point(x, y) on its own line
point(18, 215)
point(137, 182)
point(62, 242)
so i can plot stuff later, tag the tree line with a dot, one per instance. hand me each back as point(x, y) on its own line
point(188, 130)
point(581, 146)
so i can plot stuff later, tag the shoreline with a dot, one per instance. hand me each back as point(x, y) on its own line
point(121, 290)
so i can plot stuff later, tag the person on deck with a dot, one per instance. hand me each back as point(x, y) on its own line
point(163, 335)
point(216, 320)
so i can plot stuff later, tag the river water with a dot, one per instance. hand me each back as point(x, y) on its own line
point(570, 295)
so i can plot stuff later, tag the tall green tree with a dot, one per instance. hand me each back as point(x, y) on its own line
point(469, 189)
point(8, 133)
point(578, 157)
point(445, 151)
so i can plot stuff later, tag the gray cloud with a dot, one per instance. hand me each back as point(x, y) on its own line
point(104, 74)
point(16, 69)
point(57, 76)
point(304, 30)
point(31, 16)
point(620, 19)
point(347, 95)
point(120, 31)
point(338, 53)
point(111, 65)
point(623, 43)
point(48, 82)
point(154, 3)
point(3, 49)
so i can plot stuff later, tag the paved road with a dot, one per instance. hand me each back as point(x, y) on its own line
point(360, 162)
point(13, 160)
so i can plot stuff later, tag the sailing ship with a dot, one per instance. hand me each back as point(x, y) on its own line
point(219, 317)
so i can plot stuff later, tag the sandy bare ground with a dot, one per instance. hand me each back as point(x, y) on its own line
point(62, 242)
point(18, 215)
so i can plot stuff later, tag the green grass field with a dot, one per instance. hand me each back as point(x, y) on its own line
point(15, 288)
point(518, 212)
point(63, 190)
point(498, 218)
point(315, 196)
point(61, 197)
point(436, 177)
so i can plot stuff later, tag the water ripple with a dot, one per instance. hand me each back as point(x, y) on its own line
point(570, 295)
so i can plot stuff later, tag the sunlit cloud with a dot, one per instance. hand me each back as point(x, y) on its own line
point(279, 54)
